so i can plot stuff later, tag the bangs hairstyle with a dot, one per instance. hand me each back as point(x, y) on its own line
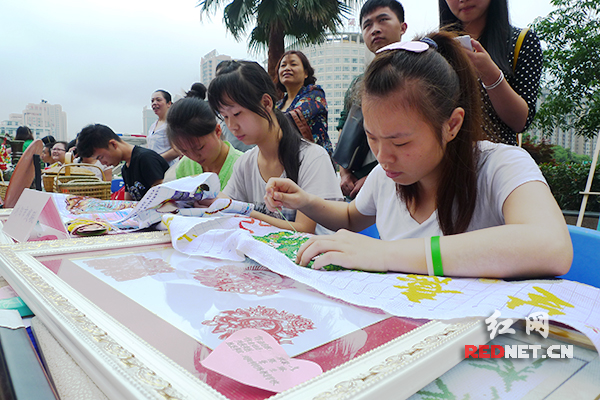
point(434, 83)
point(189, 118)
point(311, 79)
point(245, 83)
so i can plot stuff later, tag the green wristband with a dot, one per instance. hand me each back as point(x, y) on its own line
point(436, 256)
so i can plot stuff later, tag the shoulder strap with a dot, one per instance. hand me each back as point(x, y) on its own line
point(518, 46)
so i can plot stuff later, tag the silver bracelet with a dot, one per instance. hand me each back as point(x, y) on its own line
point(495, 84)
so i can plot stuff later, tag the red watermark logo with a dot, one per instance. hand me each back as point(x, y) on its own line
point(537, 321)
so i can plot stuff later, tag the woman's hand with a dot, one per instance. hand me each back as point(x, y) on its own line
point(345, 249)
point(285, 193)
point(487, 70)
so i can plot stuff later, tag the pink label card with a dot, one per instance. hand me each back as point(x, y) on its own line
point(35, 216)
point(253, 357)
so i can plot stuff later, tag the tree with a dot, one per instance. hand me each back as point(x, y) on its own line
point(571, 35)
point(308, 21)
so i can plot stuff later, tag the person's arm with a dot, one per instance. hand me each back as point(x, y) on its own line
point(301, 224)
point(170, 155)
point(332, 215)
point(508, 104)
point(312, 103)
point(534, 242)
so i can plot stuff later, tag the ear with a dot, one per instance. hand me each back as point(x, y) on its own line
point(403, 27)
point(267, 102)
point(218, 131)
point(112, 144)
point(454, 124)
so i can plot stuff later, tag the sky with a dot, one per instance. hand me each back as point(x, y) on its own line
point(102, 60)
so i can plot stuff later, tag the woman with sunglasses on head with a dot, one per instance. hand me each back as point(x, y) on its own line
point(440, 192)
point(296, 78)
point(509, 90)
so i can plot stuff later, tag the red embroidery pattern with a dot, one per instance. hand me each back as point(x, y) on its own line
point(251, 221)
point(130, 267)
point(283, 326)
point(258, 281)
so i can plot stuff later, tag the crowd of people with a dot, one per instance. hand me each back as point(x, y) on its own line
point(442, 179)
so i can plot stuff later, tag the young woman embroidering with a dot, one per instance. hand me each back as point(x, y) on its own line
point(435, 177)
point(192, 128)
point(244, 95)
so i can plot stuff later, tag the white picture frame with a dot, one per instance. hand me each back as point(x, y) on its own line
point(123, 365)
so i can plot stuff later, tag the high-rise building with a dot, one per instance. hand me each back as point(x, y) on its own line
point(208, 65)
point(148, 118)
point(337, 62)
point(43, 119)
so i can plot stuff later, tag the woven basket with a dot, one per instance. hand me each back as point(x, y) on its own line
point(74, 171)
point(83, 186)
point(3, 186)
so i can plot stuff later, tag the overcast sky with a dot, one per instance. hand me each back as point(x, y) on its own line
point(101, 60)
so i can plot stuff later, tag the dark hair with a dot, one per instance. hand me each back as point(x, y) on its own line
point(372, 5)
point(310, 71)
point(165, 94)
point(245, 83)
point(24, 133)
point(496, 33)
point(94, 137)
point(198, 90)
point(48, 140)
point(188, 119)
point(435, 83)
point(222, 65)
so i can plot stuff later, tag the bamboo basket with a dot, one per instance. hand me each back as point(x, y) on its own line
point(83, 186)
point(71, 172)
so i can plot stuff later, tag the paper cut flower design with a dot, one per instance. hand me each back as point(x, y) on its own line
point(257, 281)
point(283, 326)
point(130, 267)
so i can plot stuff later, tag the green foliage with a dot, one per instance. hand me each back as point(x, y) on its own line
point(542, 152)
point(571, 35)
point(562, 154)
point(566, 180)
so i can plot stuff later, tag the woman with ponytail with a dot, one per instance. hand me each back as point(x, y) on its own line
point(244, 95)
point(445, 201)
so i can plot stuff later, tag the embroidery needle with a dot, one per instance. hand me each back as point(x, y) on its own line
point(286, 220)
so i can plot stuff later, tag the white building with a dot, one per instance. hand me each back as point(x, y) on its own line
point(337, 62)
point(43, 119)
point(148, 118)
point(208, 66)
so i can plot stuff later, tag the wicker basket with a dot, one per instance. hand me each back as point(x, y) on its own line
point(71, 172)
point(3, 186)
point(83, 186)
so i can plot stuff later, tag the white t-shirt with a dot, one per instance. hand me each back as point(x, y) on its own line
point(501, 170)
point(157, 140)
point(316, 176)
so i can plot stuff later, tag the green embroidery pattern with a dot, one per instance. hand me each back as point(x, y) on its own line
point(507, 370)
point(288, 243)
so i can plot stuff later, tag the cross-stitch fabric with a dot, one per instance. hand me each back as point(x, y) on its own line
point(407, 295)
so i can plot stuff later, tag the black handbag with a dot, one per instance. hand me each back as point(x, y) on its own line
point(352, 146)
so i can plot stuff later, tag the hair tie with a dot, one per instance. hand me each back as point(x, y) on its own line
point(430, 42)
